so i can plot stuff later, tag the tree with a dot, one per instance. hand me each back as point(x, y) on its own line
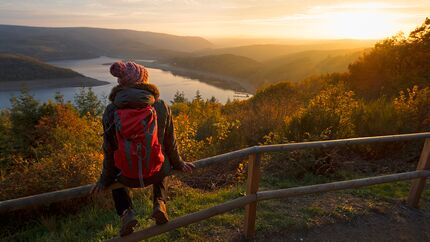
point(394, 64)
point(87, 102)
point(179, 97)
point(422, 33)
point(24, 115)
point(198, 96)
point(213, 100)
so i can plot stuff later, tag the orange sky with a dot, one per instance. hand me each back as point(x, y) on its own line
point(313, 19)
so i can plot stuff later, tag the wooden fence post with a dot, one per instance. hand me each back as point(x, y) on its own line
point(252, 189)
point(419, 184)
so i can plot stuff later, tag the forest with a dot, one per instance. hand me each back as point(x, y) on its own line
point(49, 44)
point(291, 67)
point(55, 145)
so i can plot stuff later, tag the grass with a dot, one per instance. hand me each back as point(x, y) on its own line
point(98, 221)
point(392, 191)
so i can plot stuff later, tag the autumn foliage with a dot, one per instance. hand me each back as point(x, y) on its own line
point(63, 150)
point(45, 147)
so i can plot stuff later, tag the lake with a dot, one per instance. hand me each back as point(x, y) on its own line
point(168, 83)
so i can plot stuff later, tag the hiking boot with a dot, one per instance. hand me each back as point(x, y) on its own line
point(160, 213)
point(128, 222)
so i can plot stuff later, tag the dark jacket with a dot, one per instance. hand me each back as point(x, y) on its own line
point(138, 96)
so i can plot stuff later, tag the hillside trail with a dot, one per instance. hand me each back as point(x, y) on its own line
point(398, 223)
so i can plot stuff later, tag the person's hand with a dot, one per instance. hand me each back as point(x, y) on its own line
point(97, 188)
point(188, 167)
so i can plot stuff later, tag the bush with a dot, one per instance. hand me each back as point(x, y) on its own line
point(186, 131)
point(63, 169)
point(413, 107)
point(66, 153)
point(327, 116)
point(264, 113)
point(6, 147)
point(378, 117)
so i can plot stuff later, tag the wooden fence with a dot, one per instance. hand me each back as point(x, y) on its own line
point(249, 201)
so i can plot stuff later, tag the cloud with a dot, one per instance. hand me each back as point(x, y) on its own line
point(207, 17)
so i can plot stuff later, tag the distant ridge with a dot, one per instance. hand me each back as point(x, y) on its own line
point(292, 67)
point(266, 52)
point(18, 71)
point(49, 43)
point(19, 67)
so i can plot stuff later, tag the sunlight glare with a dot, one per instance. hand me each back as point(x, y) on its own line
point(362, 25)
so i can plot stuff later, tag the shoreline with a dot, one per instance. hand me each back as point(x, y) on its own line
point(217, 80)
point(221, 81)
point(79, 81)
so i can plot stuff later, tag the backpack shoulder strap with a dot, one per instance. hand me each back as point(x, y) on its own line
point(108, 118)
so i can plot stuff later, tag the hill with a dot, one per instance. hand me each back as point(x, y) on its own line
point(55, 145)
point(298, 66)
point(226, 64)
point(394, 64)
point(19, 67)
point(292, 67)
point(74, 43)
point(19, 70)
point(266, 52)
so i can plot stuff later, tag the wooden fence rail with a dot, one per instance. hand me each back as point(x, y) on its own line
point(342, 185)
point(249, 201)
point(265, 195)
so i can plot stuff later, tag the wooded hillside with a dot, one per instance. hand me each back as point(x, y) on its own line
point(292, 67)
point(55, 145)
point(80, 43)
point(18, 67)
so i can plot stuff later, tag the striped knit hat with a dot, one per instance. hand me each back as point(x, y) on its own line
point(129, 73)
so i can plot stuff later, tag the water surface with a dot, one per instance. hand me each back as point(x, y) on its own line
point(168, 83)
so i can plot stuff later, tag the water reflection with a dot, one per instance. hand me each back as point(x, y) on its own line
point(166, 82)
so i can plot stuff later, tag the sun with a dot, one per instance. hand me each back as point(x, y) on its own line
point(362, 24)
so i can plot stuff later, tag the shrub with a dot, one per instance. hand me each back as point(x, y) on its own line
point(378, 117)
point(67, 153)
point(186, 131)
point(6, 147)
point(327, 116)
point(264, 113)
point(413, 107)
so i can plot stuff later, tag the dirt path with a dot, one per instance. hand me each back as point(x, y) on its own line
point(395, 223)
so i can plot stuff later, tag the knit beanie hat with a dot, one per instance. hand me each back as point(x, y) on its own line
point(129, 73)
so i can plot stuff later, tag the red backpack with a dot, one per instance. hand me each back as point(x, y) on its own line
point(139, 153)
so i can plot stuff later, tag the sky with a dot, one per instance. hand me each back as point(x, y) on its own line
point(303, 19)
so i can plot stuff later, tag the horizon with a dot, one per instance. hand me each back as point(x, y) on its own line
point(255, 40)
point(274, 20)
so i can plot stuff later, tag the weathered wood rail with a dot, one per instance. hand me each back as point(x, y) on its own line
point(249, 201)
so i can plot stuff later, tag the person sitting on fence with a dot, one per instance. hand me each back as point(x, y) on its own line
point(139, 143)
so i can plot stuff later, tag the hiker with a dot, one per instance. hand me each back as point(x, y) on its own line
point(139, 143)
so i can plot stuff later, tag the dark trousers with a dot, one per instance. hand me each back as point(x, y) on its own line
point(122, 200)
